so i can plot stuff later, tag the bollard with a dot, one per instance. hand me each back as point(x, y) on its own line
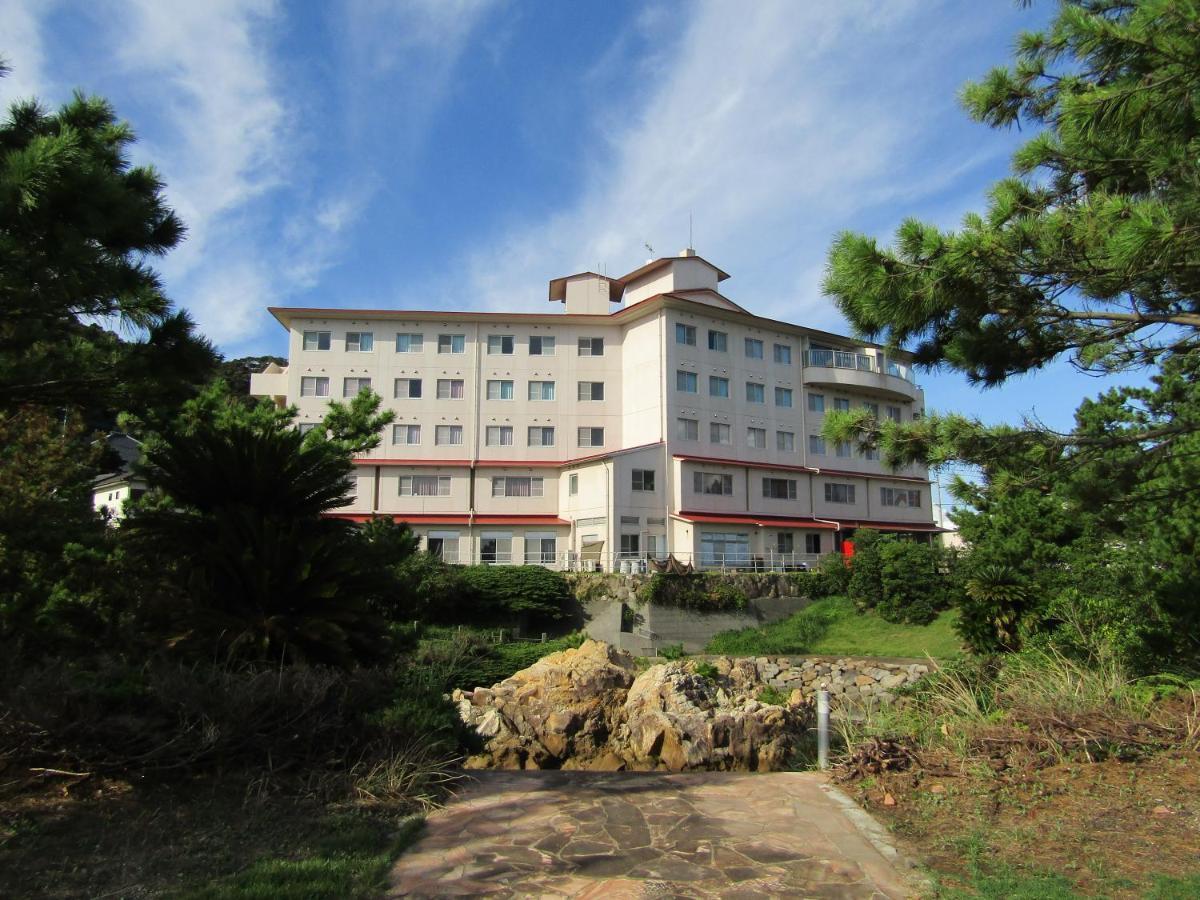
point(823, 728)
point(543, 637)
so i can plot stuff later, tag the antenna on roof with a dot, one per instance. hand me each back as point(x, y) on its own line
point(649, 249)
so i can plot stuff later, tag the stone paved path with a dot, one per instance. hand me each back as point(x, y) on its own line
point(627, 835)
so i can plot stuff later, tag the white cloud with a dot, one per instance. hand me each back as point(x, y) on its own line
point(21, 48)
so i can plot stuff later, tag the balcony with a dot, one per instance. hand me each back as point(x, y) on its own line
point(272, 383)
point(846, 368)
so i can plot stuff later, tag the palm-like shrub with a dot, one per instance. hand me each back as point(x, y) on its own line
point(994, 598)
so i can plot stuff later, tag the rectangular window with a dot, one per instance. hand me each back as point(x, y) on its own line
point(712, 483)
point(687, 429)
point(783, 354)
point(452, 343)
point(900, 497)
point(718, 386)
point(718, 340)
point(812, 543)
point(629, 545)
point(541, 436)
point(541, 345)
point(839, 493)
point(499, 390)
point(755, 393)
point(314, 386)
point(591, 437)
point(783, 397)
point(591, 390)
point(785, 542)
point(756, 438)
point(540, 549)
point(572, 485)
point(816, 403)
point(407, 388)
point(541, 390)
point(516, 486)
point(724, 549)
point(303, 428)
point(424, 485)
point(785, 441)
point(893, 413)
point(843, 449)
point(643, 479)
point(448, 435)
point(351, 387)
point(406, 434)
point(316, 340)
point(495, 547)
point(779, 488)
point(754, 348)
point(591, 346)
point(816, 445)
point(686, 382)
point(498, 436)
point(450, 389)
point(685, 334)
point(719, 434)
point(410, 343)
point(500, 343)
point(841, 404)
point(872, 408)
point(360, 341)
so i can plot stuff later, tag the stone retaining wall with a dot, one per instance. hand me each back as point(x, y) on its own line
point(848, 680)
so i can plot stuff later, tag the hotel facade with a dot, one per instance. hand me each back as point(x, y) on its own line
point(646, 416)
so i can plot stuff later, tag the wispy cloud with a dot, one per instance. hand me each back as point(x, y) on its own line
point(21, 47)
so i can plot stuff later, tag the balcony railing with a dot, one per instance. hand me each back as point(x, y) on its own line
point(861, 362)
point(633, 563)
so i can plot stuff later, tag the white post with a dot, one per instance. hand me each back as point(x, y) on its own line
point(823, 728)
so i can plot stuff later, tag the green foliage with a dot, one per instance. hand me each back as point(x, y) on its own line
point(793, 635)
point(772, 696)
point(897, 578)
point(671, 651)
point(503, 592)
point(701, 591)
point(706, 670)
point(470, 658)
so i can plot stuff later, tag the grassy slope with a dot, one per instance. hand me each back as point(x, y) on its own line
point(832, 627)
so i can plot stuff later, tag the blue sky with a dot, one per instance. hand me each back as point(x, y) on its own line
point(461, 153)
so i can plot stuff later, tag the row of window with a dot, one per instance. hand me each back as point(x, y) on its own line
point(719, 341)
point(414, 342)
point(718, 386)
point(448, 388)
point(816, 403)
point(719, 484)
point(495, 436)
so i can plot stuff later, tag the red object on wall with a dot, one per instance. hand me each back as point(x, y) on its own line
point(847, 548)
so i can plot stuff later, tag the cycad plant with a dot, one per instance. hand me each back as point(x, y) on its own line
point(995, 598)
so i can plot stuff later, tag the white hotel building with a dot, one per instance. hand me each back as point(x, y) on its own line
point(646, 415)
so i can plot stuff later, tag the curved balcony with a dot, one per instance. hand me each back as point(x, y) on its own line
point(839, 368)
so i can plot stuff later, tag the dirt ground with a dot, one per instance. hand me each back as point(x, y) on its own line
point(1106, 828)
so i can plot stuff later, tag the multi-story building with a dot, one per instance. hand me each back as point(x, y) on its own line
point(649, 415)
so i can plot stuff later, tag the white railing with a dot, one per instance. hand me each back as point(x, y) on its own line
point(640, 563)
point(862, 362)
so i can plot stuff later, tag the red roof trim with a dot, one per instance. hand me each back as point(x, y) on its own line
point(502, 463)
point(435, 519)
point(812, 470)
point(894, 526)
point(838, 473)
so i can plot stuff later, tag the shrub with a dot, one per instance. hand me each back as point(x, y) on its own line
point(865, 583)
point(792, 635)
point(898, 578)
point(772, 696)
point(672, 651)
point(503, 592)
point(703, 591)
point(706, 670)
point(830, 578)
point(992, 602)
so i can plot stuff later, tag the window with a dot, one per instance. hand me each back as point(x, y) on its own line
point(712, 483)
point(629, 545)
point(541, 346)
point(499, 390)
point(407, 388)
point(785, 542)
point(495, 547)
point(785, 441)
point(839, 493)
point(452, 343)
point(719, 434)
point(360, 341)
point(872, 408)
point(812, 543)
point(591, 390)
point(893, 413)
point(410, 343)
point(783, 354)
point(686, 382)
point(816, 403)
point(500, 343)
point(316, 340)
point(779, 488)
point(540, 548)
point(303, 428)
point(443, 545)
point(783, 397)
point(541, 436)
point(841, 404)
point(450, 389)
point(314, 386)
point(406, 434)
point(816, 445)
point(718, 340)
point(755, 393)
point(643, 479)
point(572, 485)
point(718, 386)
point(872, 453)
point(687, 429)
point(724, 549)
point(591, 346)
point(424, 485)
point(899, 497)
point(448, 435)
point(756, 438)
point(351, 387)
point(498, 436)
point(843, 449)
point(591, 437)
point(754, 348)
point(516, 486)
point(541, 390)
point(685, 334)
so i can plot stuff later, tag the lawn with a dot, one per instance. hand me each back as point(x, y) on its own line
point(832, 627)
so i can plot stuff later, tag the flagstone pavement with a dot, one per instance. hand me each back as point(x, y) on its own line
point(632, 835)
